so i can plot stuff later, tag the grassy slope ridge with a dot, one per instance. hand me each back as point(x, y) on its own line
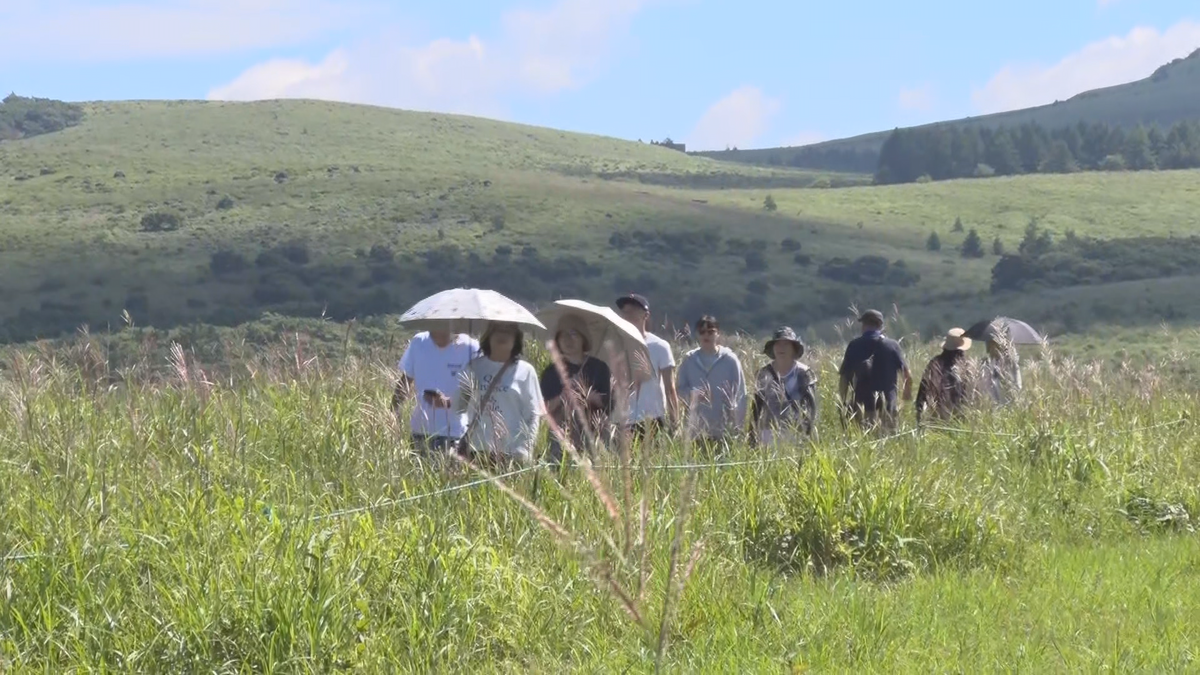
point(464, 201)
point(1165, 97)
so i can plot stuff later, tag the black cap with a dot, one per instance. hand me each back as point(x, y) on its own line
point(635, 299)
point(872, 316)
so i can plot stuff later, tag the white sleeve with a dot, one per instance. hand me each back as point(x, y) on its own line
point(740, 395)
point(668, 356)
point(406, 361)
point(532, 404)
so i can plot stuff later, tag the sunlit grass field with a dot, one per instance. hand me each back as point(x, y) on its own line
point(268, 516)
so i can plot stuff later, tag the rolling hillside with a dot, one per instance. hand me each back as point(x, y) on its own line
point(216, 213)
point(1167, 96)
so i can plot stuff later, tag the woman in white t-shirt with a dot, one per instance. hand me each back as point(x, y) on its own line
point(507, 428)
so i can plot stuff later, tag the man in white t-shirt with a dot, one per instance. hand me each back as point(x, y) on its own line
point(653, 403)
point(430, 370)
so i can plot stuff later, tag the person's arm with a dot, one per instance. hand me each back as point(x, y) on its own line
point(669, 389)
point(808, 401)
point(402, 392)
point(532, 406)
point(844, 372)
point(908, 380)
point(667, 372)
point(923, 391)
point(756, 405)
point(405, 382)
point(739, 395)
point(550, 386)
point(602, 387)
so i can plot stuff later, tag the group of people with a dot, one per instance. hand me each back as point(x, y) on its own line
point(482, 397)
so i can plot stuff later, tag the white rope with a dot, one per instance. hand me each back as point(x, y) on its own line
point(17, 557)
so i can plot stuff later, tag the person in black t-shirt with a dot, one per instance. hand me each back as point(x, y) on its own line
point(872, 365)
point(583, 409)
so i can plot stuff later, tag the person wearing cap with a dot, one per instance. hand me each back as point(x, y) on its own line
point(711, 383)
point(581, 409)
point(873, 364)
point(785, 403)
point(654, 403)
point(943, 389)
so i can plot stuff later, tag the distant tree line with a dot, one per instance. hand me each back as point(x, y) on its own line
point(22, 117)
point(946, 152)
point(822, 158)
point(1041, 261)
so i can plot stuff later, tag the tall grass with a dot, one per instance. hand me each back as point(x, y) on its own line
point(270, 517)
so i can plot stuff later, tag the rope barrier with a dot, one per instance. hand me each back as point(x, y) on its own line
point(17, 557)
point(413, 498)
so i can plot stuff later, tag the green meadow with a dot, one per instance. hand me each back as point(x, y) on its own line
point(270, 518)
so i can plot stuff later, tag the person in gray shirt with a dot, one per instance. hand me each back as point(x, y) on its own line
point(712, 387)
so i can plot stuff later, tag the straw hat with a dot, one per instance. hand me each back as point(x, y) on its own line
point(956, 340)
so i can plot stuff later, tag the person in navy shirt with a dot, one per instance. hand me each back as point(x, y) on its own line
point(872, 365)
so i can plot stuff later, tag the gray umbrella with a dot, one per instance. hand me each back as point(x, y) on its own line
point(1015, 331)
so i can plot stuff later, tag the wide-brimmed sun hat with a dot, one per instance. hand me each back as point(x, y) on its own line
point(783, 334)
point(956, 340)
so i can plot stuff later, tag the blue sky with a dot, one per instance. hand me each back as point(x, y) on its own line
point(751, 73)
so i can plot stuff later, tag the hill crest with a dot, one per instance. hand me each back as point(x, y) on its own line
point(1166, 96)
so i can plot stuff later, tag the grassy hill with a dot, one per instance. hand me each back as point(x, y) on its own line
point(1165, 97)
point(205, 212)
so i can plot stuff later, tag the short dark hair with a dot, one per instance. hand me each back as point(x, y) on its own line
point(485, 340)
point(707, 321)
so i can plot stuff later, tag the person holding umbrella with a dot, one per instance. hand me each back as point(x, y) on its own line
point(431, 365)
point(500, 394)
point(580, 408)
point(1001, 336)
point(785, 405)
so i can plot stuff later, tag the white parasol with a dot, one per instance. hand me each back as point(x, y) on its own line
point(612, 338)
point(458, 309)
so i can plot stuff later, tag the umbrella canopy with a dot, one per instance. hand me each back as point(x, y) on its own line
point(458, 309)
point(1017, 332)
point(610, 335)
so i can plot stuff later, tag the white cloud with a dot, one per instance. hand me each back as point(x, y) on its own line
point(737, 120)
point(538, 52)
point(917, 98)
point(1113, 60)
point(77, 30)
